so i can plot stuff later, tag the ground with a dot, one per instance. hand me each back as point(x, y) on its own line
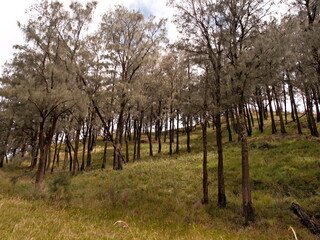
point(160, 197)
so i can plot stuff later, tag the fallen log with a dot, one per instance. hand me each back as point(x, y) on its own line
point(311, 223)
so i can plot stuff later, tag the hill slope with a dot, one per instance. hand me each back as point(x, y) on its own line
point(160, 197)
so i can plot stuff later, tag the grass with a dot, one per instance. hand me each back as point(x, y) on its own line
point(160, 197)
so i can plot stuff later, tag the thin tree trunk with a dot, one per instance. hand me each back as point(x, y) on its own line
point(273, 123)
point(248, 211)
point(248, 125)
point(3, 153)
point(150, 138)
point(205, 199)
point(285, 102)
point(222, 200)
point(294, 109)
point(188, 130)
point(135, 136)
point(228, 125)
point(76, 149)
point(177, 134)
point(41, 167)
point(171, 130)
point(139, 135)
point(311, 121)
point(315, 99)
point(279, 110)
point(104, 158)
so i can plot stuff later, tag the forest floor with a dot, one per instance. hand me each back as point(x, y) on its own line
point(160, 197)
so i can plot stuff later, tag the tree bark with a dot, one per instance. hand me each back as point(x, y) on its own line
point(177, 134)
point(247, 206)
point(279, 110)
point(294, 108)
point(222, 200)
point(205, 199)
point(273, 123)
point(76, 149)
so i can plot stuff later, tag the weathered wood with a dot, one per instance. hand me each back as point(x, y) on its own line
point(311, 223)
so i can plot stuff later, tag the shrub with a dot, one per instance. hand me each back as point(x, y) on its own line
point(59, 187)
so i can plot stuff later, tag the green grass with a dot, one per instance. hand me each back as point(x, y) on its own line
point(160, 197)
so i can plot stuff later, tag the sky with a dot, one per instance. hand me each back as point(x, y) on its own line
point(12, 11)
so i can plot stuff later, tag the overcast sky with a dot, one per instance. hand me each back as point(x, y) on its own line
point(12, 11)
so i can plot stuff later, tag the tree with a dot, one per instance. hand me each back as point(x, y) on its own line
point(129, 40)
point(202, 35)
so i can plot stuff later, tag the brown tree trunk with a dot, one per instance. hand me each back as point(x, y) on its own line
point(222, 200)
point(260, 109)
point(76, 149)
point(56, 146)
point(294, 108)
point(177, 134)
point(165, 129)
point(273, 123)
point(279, 110)
point(118, 158)
point(3, 152)
point(89, 147)
point(315, 99)
point(135, 137)
point(205, 199)
point(285, 102)
point(41, 166)
point(311, 121)
point(139, 135)
point(228, 125)
point(44, 148)
point(247, 206)
point(248, 125)
point(188, 131)
point(104, 158)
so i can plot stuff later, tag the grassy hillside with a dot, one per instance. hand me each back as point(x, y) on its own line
point(160, 197)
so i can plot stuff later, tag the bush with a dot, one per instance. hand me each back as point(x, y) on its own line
point(59, 187)
point(261, 145)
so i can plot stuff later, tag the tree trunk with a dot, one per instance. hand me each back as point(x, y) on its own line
point(294, 109)
point(177, 134)
point(188, 131)
point(315, 99)
point(41, 167)
point(76, 149)
point(89, 148)
point(44, 148)
point(311, 223)
point(279, 110)
point(118, 159)
point(273, 123)
point(135, 137)
point(205, 199)
point(246, 189)
point(171, 132)
point(139, 135)
point(311, 121)
point(222, 200)
point(55, 151)
point(248, 125)
point(104, 158)
point(3, 152)
point(285, 102)
point(260, 109)
point(228, 125)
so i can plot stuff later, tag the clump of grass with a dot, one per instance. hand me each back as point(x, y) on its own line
point(59, 187)
point(261, 145)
